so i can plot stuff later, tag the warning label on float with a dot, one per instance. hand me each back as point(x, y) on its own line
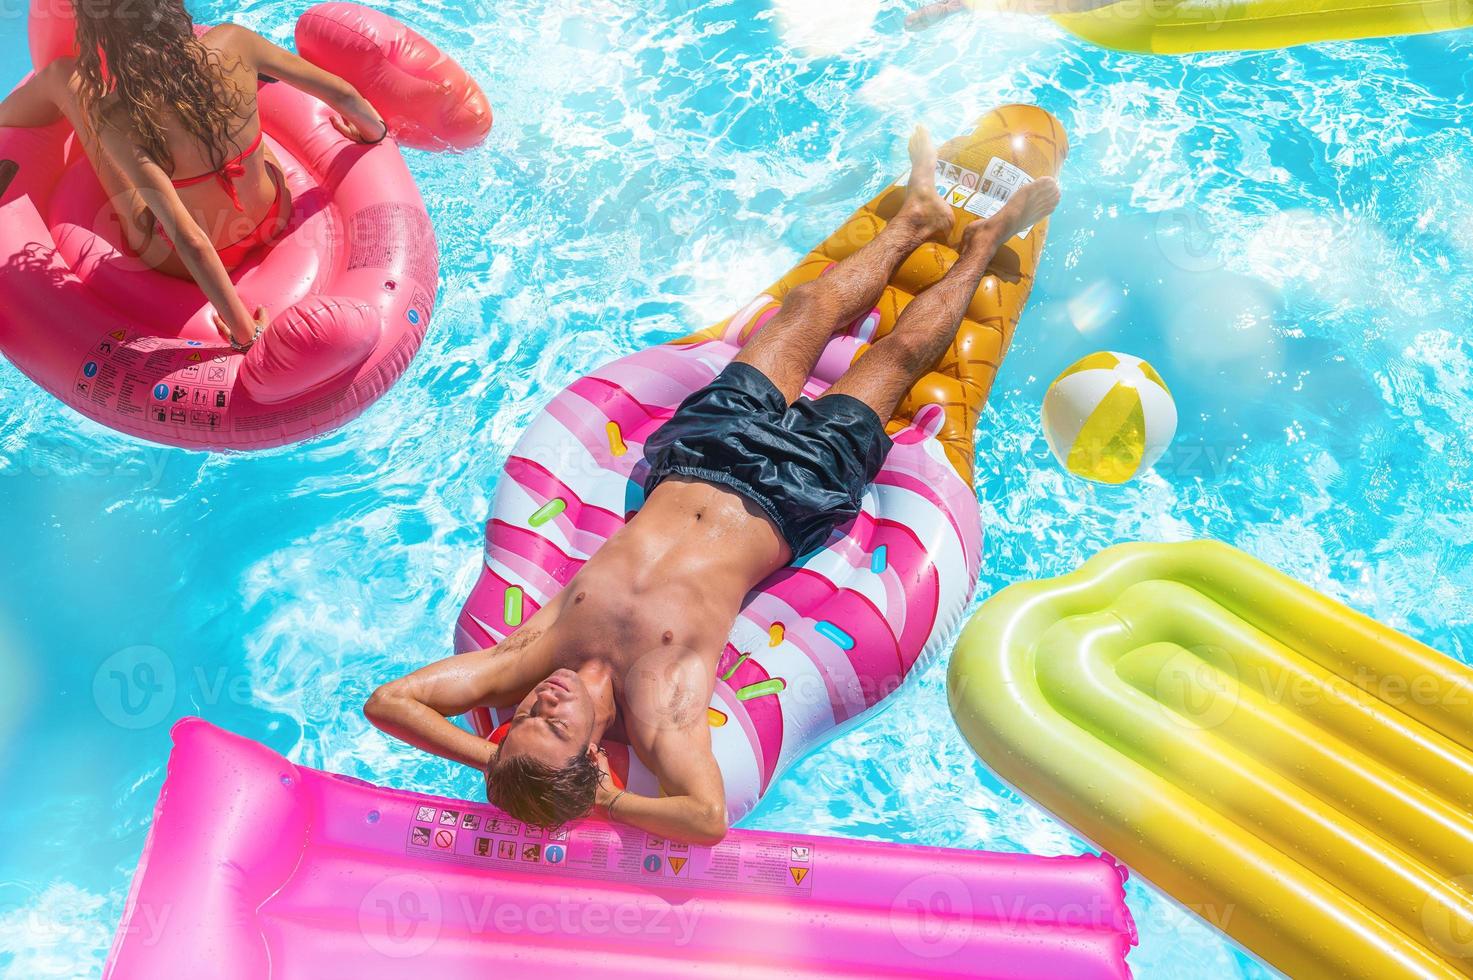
point(998, 183)
point(768, 865)
point(149, 378)
point(981, 194)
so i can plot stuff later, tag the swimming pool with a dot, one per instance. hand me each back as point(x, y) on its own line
point(1284, 235)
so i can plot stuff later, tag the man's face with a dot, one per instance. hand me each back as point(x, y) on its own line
point(554, 722)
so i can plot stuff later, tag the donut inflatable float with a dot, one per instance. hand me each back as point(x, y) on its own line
point(825, 640)
point(429, 101)
point(351, 283)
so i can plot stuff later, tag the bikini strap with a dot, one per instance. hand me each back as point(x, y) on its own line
point(228, 174)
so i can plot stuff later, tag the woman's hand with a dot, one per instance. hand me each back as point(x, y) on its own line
point(362, 125)
point(242, 336)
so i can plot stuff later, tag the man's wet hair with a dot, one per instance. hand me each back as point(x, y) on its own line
point(541, 795)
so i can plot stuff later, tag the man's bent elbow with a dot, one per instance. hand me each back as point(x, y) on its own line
point(712, 828)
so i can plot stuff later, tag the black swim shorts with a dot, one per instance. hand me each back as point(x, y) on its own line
point(806, 465)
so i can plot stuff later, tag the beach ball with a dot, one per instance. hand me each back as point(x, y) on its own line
point(1109, 417)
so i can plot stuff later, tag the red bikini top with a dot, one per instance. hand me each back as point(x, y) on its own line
point(228, 173)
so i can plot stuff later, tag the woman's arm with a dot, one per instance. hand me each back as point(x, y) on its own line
point(359, 120)
point(190, 241)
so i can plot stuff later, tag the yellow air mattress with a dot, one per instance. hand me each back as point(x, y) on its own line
point(1182, 26)
point(1297, 774)
point(1185, 26)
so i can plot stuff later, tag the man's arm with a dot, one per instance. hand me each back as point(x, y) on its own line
point(693, 808)
point(417, 708)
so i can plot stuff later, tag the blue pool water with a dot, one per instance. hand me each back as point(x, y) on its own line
point(1286, 235)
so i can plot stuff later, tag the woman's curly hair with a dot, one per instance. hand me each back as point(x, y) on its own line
point(143, 54)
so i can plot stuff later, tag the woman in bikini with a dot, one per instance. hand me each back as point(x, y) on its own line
point(171, 125)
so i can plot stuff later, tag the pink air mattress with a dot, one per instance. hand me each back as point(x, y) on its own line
point(350, 286)
point(256, 868)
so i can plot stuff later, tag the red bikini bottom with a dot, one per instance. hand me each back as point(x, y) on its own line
point(236, 252)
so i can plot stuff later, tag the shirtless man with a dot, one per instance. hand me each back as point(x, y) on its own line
point(743, 478)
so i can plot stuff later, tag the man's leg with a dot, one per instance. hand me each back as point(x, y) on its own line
point(927, 327)
point(789, 345)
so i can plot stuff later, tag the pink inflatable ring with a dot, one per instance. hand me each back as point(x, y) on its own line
point(351, 285)
point(429, 101)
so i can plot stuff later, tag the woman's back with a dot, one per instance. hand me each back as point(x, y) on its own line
point(171, 124)
point(207, 140)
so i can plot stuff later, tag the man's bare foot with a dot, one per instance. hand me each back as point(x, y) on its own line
point(922, 204)
point(1030, 204)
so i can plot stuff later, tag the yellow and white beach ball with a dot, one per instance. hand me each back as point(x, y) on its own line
point(1109, 417)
